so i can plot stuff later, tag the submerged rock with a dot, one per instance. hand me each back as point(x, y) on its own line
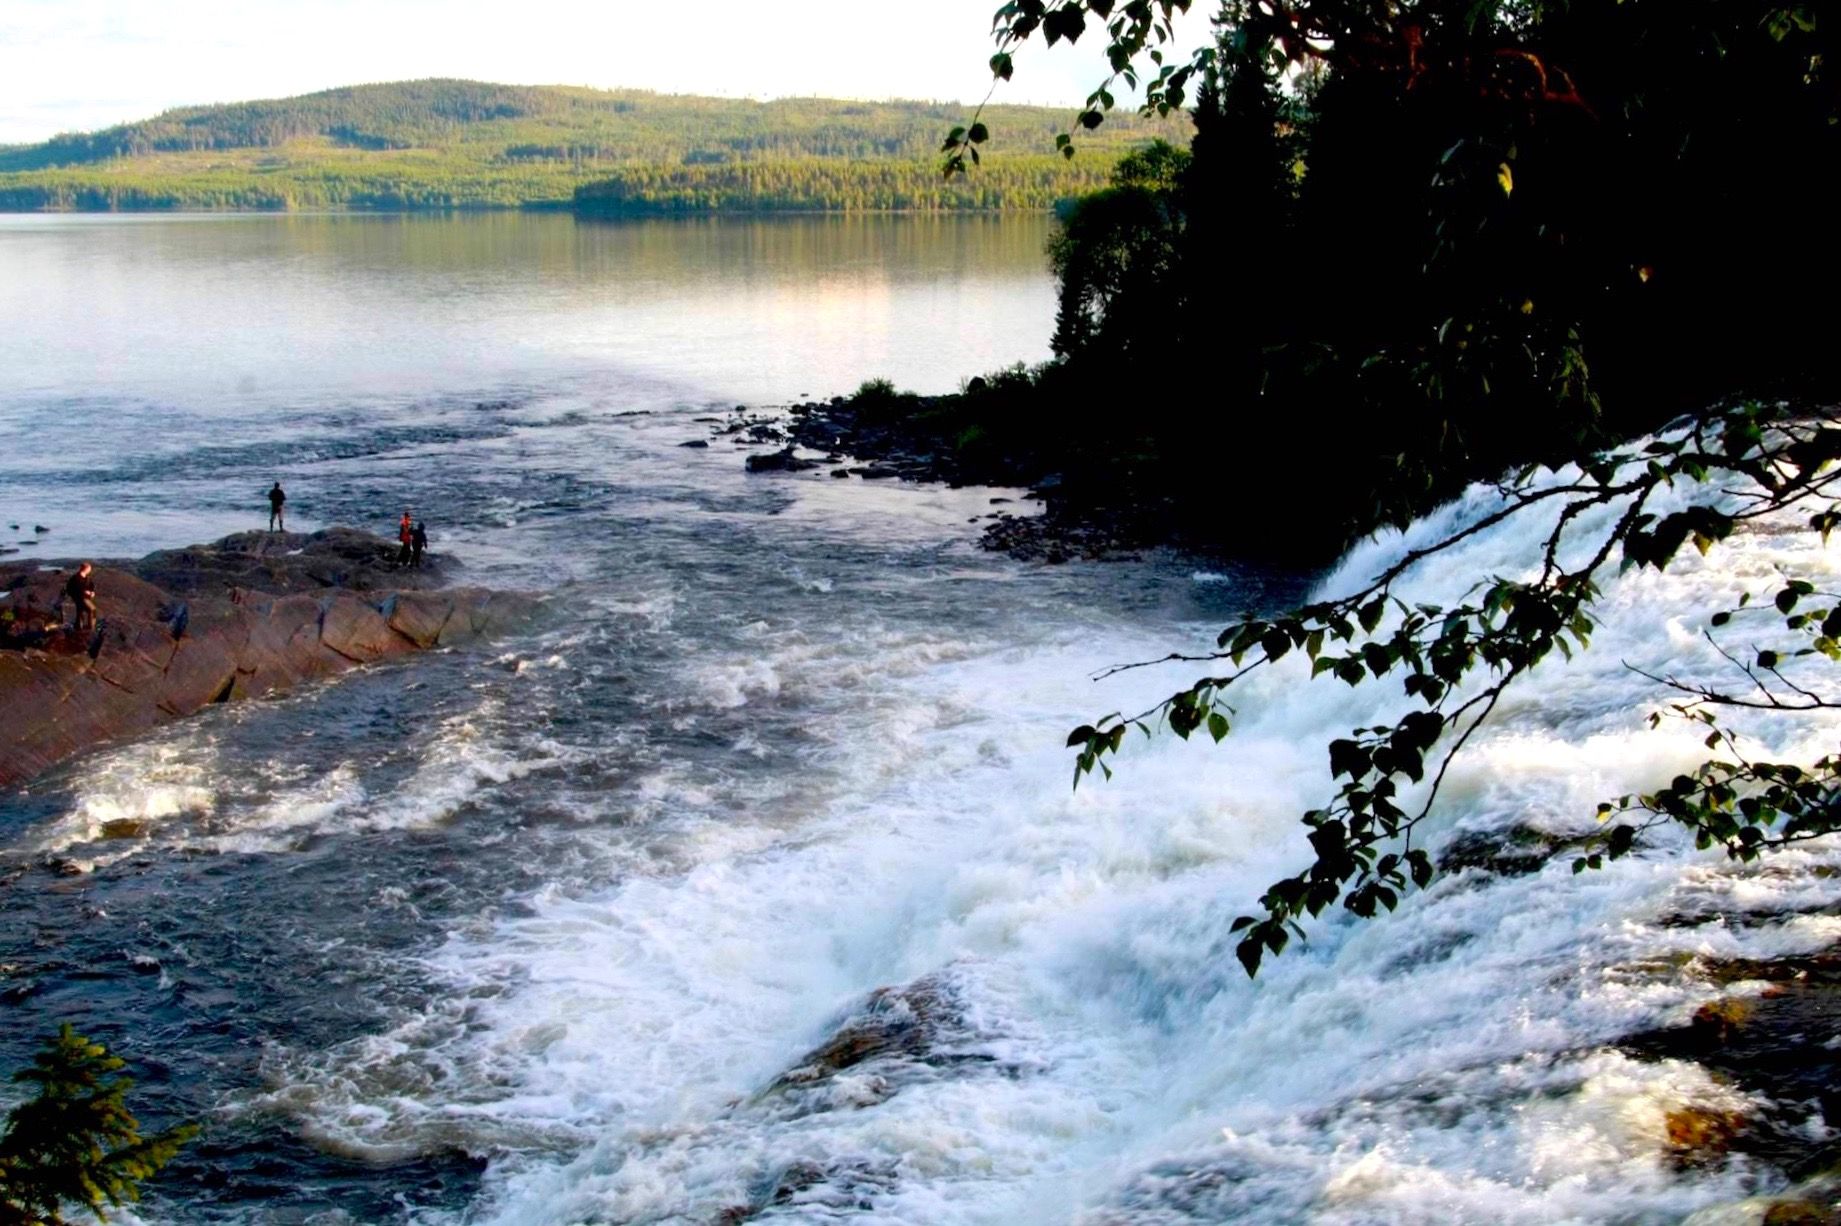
point(181, 629)
point(1702, 1136)
point(1512, 852)
point(893, 1037)
point(1777, 1035)
point(783, 461)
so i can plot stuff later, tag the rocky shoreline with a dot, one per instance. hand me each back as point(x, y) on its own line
point(250, 615)
point(1077, 519)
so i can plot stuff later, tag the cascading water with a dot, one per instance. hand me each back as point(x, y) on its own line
point(1060, 1031)
point(750, 885)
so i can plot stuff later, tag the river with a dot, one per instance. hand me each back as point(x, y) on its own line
point(535, 933)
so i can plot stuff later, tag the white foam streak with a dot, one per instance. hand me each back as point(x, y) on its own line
point(172, 791)
point(1448, 1063)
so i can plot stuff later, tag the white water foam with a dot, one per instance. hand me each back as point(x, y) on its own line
point(176, 792)
point(1451, 1062)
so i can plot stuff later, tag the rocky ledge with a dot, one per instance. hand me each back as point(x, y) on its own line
point(1078, 519)
point(249, 615)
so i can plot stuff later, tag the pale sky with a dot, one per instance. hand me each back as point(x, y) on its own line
point(77, 65)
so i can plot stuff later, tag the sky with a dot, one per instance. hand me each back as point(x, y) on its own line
point(77, 65)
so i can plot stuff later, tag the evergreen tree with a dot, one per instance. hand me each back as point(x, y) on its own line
point(74, 1143)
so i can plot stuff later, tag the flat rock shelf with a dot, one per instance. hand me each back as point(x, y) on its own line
point(250, 615)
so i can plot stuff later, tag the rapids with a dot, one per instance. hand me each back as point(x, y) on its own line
point(751, 885)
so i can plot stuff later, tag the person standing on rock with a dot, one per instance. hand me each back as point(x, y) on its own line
point(81, 588)
point(276, 499)
point(405, 537)
point(418, 541)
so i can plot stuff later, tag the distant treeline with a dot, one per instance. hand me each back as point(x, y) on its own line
point(465, 144)
point(810, 184)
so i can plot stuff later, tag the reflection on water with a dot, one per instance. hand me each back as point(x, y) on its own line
point(263, 308)
point(749, 884)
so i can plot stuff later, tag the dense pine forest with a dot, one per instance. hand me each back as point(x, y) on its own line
point(464, 144)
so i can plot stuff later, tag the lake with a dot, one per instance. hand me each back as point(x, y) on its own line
point(747, 883)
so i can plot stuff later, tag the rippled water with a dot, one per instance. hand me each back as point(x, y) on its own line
point(546, 932)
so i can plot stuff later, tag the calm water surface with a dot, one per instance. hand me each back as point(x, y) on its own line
point(204, 332)
point(534, 933)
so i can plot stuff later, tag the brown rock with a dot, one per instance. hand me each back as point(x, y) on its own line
point(250, 615)
point(1802, 1213)
point(419, 616)
point(1701, 1136)
point(283, 645)
point(1717, 1020)
point(356, 630)
point(480, 613)
point(203, 670)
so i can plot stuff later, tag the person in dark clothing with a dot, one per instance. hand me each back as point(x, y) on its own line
point(276, 498)
point(81, 588)
point(418, 541)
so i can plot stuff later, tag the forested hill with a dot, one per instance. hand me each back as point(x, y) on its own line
point(468, 144)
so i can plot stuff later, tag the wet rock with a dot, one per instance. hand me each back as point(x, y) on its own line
point(259, 618)
point(1515, 852)
point(894, 1037)
point(481, 613)
point(355, 629)
point(1801, 1213)
point(1701, 1136)
point(785, 460)
point(285, 562)
point(1778, 1037)
point(418, 616)
point(1718, 1021)
point(823, 1191)
point(200, 671)
point(695, 443)
point(932, 439)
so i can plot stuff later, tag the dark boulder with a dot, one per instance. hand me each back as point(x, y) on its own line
point(783, 461)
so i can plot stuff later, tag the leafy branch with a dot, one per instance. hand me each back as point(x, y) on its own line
point(1455, 663)
point(1135, 30)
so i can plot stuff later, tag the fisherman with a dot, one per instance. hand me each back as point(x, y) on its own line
point(418, 541)
point(81, 588)
point(276, 498)
point(405, 537)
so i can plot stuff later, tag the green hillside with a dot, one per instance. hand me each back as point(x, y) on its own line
point(464, 144)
